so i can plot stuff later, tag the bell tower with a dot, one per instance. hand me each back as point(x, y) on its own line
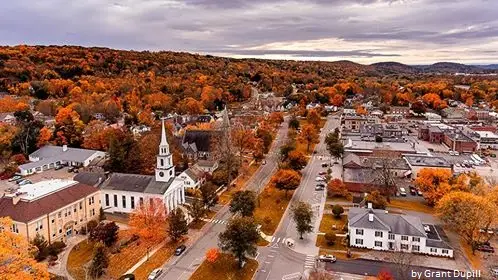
point(165, 170)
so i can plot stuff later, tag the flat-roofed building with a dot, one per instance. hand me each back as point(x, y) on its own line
point(459, 142)
point(54, 209)
point(418, 162)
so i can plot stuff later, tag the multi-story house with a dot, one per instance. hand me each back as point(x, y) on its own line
point(54, 209)
point(379, 230)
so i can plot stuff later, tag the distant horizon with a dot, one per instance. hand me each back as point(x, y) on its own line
point(412, 32)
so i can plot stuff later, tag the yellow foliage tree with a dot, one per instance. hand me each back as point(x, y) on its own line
point(16, 256)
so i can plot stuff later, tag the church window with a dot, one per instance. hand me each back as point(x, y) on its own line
point(162, 162)
point(171, 172)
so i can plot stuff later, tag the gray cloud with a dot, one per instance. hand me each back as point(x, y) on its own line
point(363, 30)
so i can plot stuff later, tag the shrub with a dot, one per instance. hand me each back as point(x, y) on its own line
point(330, 238)
point(56, 247)
point(91, 225)
point(337, 210)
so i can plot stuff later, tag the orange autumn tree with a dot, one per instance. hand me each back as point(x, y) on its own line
point(16, 256)
point(309, 135)
point(286, 180)
point(384, 275)
point(337, 188)
point(148, 221)
point(313, 117)
point(243, 140)
point(434, 183)
point(68, 127)
point(212, 255)
point(361, 111)
point(44, 137)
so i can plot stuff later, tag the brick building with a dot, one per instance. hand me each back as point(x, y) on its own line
point(457, 141)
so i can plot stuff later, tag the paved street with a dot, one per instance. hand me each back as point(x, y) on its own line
point(183, 266)
point(279, 261)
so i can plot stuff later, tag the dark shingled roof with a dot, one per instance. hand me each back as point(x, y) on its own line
point(25, 211)
point(90, 178)
point(201, 138)
point(394, 223)
point(136, 183)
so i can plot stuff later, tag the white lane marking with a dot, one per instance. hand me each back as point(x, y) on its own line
point(273, 238)
point(278, 239)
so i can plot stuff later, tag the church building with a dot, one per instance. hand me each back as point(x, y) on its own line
point(122, 193)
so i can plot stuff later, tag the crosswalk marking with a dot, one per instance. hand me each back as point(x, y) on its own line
point(278, 239)
point(309, 262)
point(216, 221)
point(273, 238)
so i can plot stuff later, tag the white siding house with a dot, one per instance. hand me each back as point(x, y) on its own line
point(379, 230)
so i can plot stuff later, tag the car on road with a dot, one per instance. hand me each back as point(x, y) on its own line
point(24, 182)
point(322, 173)
point(413, 191)
point(402, 191)
point(180, 249)
point(485, 248)
point(71, 169)
point(128, 276)
point(15, 178)
point(325, 164)
point(319, 187)
point(327, 258)
point(155, 274)
point(419, 192)
point(319, 179)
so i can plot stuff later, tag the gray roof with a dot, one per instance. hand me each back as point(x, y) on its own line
point(394, 223)
point(194, 173)
point(207, 163)
point(414, 160)
point(71, 154)
point(90, 178)
point(136, 183)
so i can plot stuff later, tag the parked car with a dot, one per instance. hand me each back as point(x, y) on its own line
point(179, 250)
point(413, 191)
point(70, 169)
point(155, 274)
point(25, 182)
point(419, 192)
point(57, 167)
point(494, 271)
point(402, 191)
point(319, 179)
point(319, 187)
point(485, 248)
point(325, 164)
point(128, 276)
point(19, 181)
point(15, 178)
point(322, 173)
point(327, 258)
point(76, 170)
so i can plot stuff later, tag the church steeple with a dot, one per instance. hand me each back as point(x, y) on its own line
point(165, 170)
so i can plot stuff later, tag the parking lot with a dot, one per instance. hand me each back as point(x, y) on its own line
point(46, 175)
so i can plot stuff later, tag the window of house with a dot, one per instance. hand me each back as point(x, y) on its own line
point(92, 212)
point(433, 250)
point(59, 215)
point(404, 247)
point(141, 200)
point(359, 241)
point(90, 201)
point(378, 244)
point(445, 251)
point(14, 228)
point(162, 162)
point(115, 200)
point(378, 234)
point(416, 239)
point(391, 236)
point(123, 199)
point(132, 202)
point(415, 248)
point(81, 205)
point(151, 201)
point(53, 221)
point(106, 199)
point(359, 231)
point(404, 238)
point(74, 208)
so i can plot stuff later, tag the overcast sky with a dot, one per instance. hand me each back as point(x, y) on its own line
point(365, 31)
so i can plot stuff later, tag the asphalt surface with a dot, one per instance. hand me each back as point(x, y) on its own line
point(182, 267)
point(278, 261)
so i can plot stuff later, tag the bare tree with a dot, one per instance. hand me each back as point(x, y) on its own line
point(402, 261)
point(383, 172)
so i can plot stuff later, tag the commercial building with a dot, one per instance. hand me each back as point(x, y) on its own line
point(418, 162)
point(379, 230)
point(459, 142)
point(55, 209)
point(48, 157)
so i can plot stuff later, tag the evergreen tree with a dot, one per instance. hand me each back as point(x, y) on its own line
point(100, 261)
point(178, 225)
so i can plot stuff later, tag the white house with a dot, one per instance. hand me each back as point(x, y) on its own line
point(193, 177)
point(123, 192)
point(208, 166)
point(48, 157)
point(379, 230)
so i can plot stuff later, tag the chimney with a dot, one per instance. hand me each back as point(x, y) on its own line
point(16, 199)
point(370, 217)
point(64, 148)
point(369, 205)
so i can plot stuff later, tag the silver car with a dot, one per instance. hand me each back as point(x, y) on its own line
point(155, 274)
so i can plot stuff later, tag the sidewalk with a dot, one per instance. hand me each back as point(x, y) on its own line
point(144, 259)
point(61, 267)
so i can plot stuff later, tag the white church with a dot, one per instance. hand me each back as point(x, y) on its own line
point(124, 192)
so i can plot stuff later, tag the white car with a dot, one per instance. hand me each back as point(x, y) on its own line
point(327, 258)
point(155, 274)
point(319, 179)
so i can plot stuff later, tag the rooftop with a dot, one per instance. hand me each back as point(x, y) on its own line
point(414, 160)
point(457, 136)
point(487, 134)
point(136, 183)
point(394, 223)
point(38, 190)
